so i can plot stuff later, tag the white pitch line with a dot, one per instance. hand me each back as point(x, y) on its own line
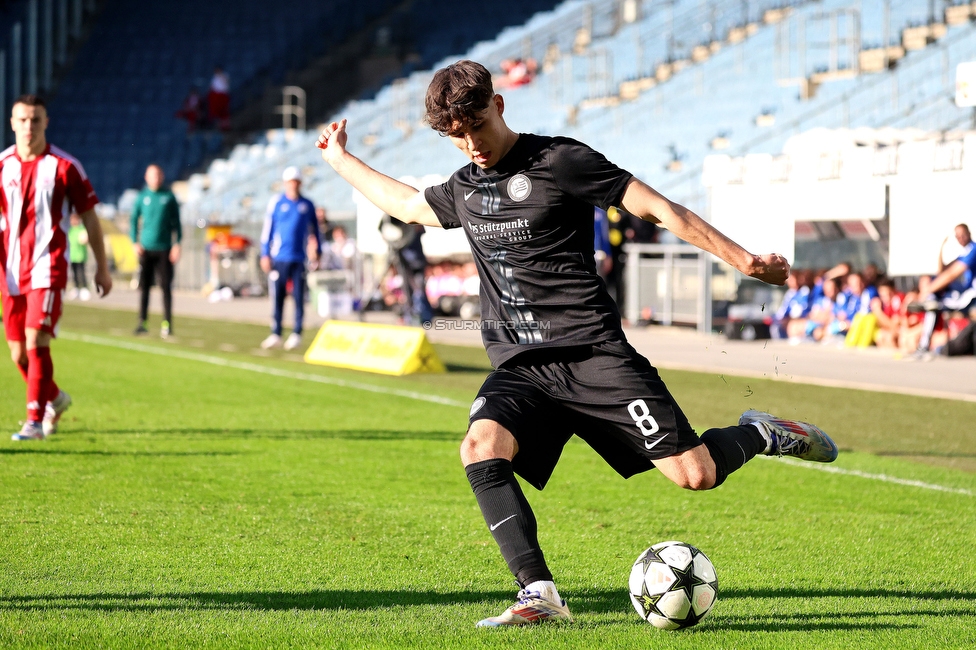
point(884, 478)
point(254, 367)
point(276, 372)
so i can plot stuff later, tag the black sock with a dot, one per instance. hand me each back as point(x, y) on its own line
point(732, 447)
point(509, 518)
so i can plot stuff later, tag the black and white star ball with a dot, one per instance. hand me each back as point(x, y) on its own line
point(673, 585)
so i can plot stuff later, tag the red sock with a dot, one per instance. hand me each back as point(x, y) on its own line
point(40, 373)
point(23, 371)
point(53, 389)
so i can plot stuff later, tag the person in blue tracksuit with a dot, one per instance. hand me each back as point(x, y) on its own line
point(953, 289)
point(288, 226)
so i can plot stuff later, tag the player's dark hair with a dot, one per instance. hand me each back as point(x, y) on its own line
point(457, 95)
point(30, 100)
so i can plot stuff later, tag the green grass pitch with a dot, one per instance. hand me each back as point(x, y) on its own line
point(190, 504)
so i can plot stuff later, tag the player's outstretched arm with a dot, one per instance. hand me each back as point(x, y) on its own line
point(103, 280)
point(391, 196)
point(643, 201)
point(947, 276)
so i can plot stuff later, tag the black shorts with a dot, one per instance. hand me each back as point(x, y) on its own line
point(607, 394)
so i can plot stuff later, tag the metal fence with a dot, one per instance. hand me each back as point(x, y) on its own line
point(669, 284)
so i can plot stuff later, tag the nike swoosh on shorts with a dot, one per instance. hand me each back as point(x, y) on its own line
point(651, 445)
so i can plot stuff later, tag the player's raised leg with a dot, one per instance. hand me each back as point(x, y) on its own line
point(725, 450)
point(487, 453)
point(791, 437)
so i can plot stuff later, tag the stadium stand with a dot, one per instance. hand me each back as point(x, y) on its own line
point(657, 86)
point(38, 41)
point(114, 107)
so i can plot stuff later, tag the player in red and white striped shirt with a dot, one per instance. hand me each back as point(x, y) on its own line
point(39, 187)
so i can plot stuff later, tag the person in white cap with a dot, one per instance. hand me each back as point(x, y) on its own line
point(288, 224)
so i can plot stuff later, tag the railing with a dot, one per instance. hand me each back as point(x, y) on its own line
point(402, 107)
point(292, 105)
point(669, 283)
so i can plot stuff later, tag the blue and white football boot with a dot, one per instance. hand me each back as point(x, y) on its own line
point(792, 437)
point(30, 431)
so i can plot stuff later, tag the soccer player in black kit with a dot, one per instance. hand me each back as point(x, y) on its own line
point(553, 334)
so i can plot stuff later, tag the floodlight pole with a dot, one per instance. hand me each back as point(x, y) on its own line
point(3, 94)
point(47, 61)
point(886, 38)
point(62, 52)
point(16, 54)
point(76, 19)
point(32, 46)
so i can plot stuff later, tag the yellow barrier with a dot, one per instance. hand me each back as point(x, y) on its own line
point(386, 349)
point(123, 252)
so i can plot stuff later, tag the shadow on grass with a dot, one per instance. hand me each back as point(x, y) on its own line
point(348, 434)
point(259, 600)
point(925, 454)
point(777, 594)
point(826, 619)
point(592, 601)
point(810, 623)
point(99, 452)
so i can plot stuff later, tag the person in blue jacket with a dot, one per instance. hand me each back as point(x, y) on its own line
point(288, 225)
point(953, 289)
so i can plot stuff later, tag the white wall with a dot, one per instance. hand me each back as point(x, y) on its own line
point(761, 216)
point(437, 241)
point(924, 211)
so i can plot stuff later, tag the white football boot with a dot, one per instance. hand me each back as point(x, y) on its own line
point(792, 437)
point(30, 431)
point(531, 607)
point(52, 414)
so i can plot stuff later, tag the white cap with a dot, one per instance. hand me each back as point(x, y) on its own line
point(291, 174)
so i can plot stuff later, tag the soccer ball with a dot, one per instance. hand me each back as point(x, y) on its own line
point(673, 585)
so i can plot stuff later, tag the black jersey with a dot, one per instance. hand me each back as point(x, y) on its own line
point(529, 220)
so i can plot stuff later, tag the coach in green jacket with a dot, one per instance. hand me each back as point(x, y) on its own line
point(157, 244)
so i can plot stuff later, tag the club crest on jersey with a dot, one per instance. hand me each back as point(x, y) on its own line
point(519, 187)
point(476, 406)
